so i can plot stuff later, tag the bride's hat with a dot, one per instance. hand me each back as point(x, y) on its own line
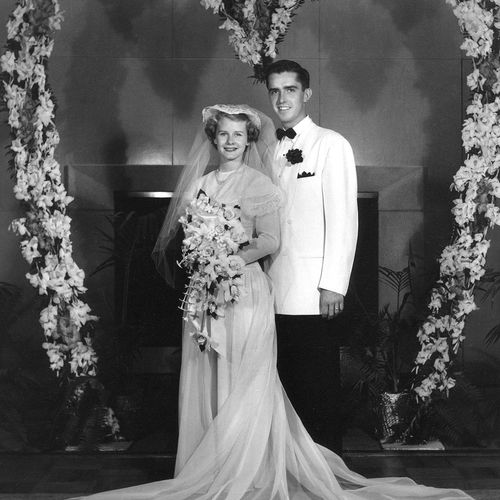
point(232, 109)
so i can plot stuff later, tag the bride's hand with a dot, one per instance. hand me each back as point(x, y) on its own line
point(331, 304)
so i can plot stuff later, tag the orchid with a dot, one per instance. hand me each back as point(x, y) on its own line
point(255, 27)
point(213, 234)
point(475, 209)
point(45, 231)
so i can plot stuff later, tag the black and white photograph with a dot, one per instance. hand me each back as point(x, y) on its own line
point(249, 250)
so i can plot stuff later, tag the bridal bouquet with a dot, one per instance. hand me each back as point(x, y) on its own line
point(213, 234)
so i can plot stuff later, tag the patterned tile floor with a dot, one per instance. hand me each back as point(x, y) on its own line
point(59, 476)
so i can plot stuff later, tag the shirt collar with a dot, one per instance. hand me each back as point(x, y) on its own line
point(303, 125)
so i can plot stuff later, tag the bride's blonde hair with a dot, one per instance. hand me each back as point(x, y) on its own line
point(212, 122)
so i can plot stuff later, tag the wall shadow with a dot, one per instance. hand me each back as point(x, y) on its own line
point(92, 95)
point(443, 123)
point(416, 26)
point(157, 44)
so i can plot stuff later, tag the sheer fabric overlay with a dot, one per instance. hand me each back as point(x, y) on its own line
point(239, 436)
point(203, 159)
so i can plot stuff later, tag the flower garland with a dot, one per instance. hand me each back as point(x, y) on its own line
point(475, 209)
point(45, 231)
point(255, 26)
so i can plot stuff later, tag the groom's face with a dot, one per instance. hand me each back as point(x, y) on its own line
point(288, 98)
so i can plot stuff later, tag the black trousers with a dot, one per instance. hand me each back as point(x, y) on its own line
point(309, 368)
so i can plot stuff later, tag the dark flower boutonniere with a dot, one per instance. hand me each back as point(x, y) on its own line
point(294, 156)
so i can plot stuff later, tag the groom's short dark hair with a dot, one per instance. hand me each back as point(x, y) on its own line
point(290, 66)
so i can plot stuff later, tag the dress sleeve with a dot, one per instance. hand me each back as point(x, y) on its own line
point(262, 203)
point(267, 239)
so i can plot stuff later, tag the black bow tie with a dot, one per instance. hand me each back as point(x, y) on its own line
point(289, 132)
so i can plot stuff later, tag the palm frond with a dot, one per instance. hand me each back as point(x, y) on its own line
point(397, 280)
point(489, 285)
point(493, 336)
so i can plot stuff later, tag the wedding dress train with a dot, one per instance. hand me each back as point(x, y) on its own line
point(239, 436)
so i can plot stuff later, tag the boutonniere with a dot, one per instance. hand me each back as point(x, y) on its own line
point(294, 156)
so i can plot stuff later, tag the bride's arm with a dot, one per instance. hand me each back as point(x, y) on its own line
point(267, 241)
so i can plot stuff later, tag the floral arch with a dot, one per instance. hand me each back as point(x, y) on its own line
point(255, 29)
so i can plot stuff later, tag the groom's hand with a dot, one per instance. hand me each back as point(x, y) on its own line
point(331, 304)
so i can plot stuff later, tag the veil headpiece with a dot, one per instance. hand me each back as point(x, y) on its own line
point(232, 109)
point(202, 158)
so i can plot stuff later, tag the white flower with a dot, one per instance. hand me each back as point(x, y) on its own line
point(45, 110)
point(248, 10)
point(477, 23)
point(8, 62)
point(426, 387)
point(473, 170)
point(83, 359)
point(79, 313)
point(424, 354)
point(15, 22)
point(436, 301)
point(447, 383)
point(439, 364)
point(493, 214)
point(288, 4)
point(48, 319)
point(24, 68)
point(215, 5)
point(18, 226)
point(464, 211)
point(57, 225)
point(494, 187)
point(29, 249)
point(56, 355)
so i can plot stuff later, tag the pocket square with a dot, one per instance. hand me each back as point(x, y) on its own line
point(304, 174)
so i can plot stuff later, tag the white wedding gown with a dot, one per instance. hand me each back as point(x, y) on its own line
point(239, 436)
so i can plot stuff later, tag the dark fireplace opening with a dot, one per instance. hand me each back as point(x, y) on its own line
point(361, 301)
point(142, 297)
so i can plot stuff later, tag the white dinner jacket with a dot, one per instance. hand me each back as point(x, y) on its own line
point(319, 219)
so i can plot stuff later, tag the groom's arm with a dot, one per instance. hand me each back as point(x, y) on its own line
point(339, 186)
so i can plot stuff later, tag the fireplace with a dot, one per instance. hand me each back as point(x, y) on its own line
point(391, 215)
point(391, 212)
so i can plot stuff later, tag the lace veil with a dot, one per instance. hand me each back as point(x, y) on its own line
point(202, 159)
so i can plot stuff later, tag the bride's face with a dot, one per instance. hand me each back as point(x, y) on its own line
point(231, 139)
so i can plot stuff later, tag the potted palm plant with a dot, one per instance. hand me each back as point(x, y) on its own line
point(383, 347)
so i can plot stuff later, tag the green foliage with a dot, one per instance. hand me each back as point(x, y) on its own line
point(382, 347)
point(467, 418)
point(39, 411)
point(27, 398)
point(118, 344)
point(490, 285)
point(385, 345)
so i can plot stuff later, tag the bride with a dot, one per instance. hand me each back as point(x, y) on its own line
point(239, 436)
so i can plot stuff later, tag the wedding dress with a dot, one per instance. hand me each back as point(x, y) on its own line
point(239, 436)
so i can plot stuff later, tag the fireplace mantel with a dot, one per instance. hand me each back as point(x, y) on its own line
point(93, 186)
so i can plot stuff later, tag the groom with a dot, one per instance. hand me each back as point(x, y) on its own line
point(315, 168)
